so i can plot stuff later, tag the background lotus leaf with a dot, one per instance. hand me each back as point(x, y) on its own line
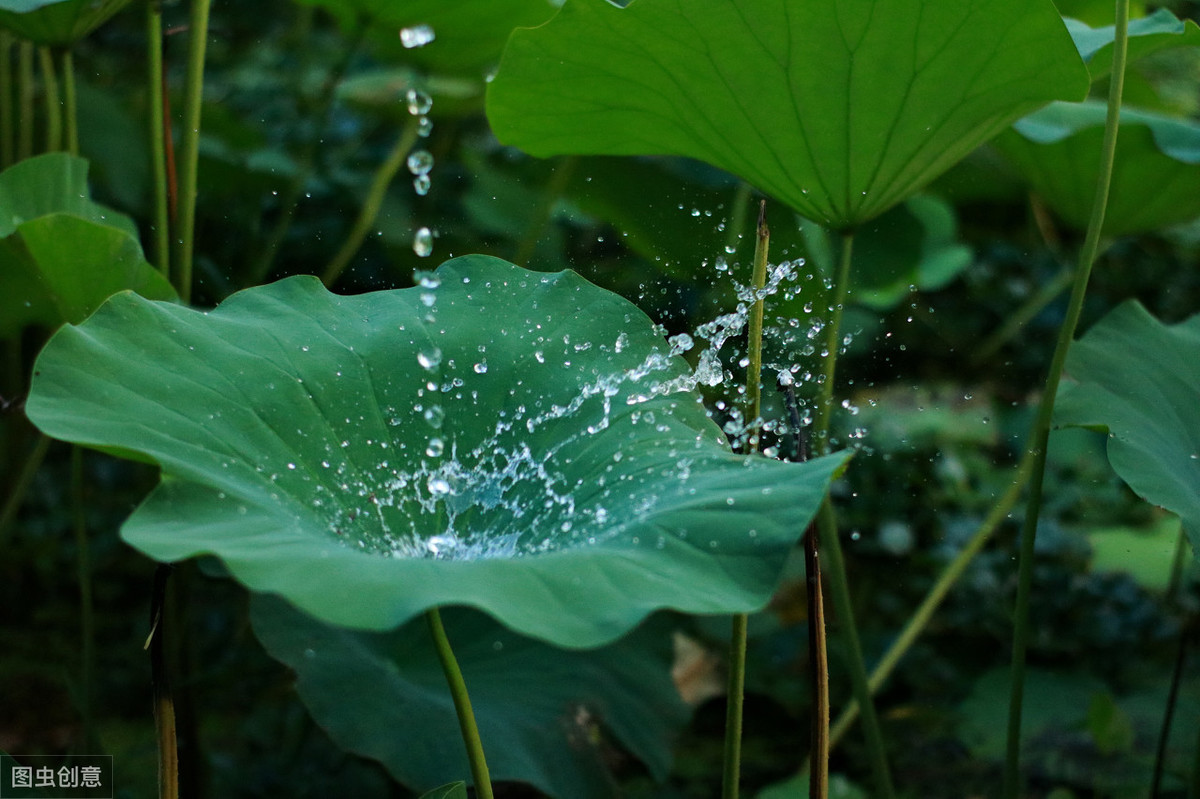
point(61, 254)
point(518, 442)
point(1156, 176)
point(546, 716)
point(840, 110)
point(56, 22)
point(1139, 380)
point(1161, 30)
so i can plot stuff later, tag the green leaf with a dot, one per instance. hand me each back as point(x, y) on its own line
point(62, 255)
point(454, 790)
point(840, 110)
point(1139, 379)
point(1156, 179)
point(519, 442)
point(1161, 30)
point(56, 22)
point(544, 714)
point(1146, 555)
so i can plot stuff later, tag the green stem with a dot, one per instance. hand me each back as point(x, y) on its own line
point(190, 149)
point(164, 703)
point(157, 136)
point(371, 205)
point(828, 530)
point(25, 100)
point(70, 112)
point(87, 619)
point(563, 171)
point(261, 266)
point(1040, 434)
point(21, 486)
point(54, 112)
point(1016, 320)
point(462, 705)
point(735, 693)
point(7, 128)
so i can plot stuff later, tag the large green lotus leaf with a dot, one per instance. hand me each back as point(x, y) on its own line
point(839, 109)
point(56, 22)
point(1161, 30)
point(540, 709)
point(1139, 380)
point(61, 254)
point(519, 442)
point(1156, 177)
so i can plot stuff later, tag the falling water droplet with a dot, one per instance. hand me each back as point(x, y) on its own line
point(419, 102)
point(430, 358)
point(421, 184)
point(423, 242)
point(436, 447)
point(416, 36)
point(420, 162)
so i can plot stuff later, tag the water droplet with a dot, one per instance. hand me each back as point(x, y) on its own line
point(423, 242)
point(430, 358)
point(435, 448)
point(435, 416)
point(421, 184)
point(419, 102)
point(480, 368)
point(420, 162)
point(680, 343)
point(416, 36)
point(424, 127)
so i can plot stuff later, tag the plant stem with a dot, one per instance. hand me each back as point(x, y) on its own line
point(185, 222)
point(164, 706)
point(462, 705)
point(735, 692)
point(53, 103)
point(157, 136)
point(371, 205)
point(70, 112)
point(7, 129)
point(25, 99)
point(1040, 434)
point(1164, 734)
point(21, 486)
point(827, 528)
point(87, 618)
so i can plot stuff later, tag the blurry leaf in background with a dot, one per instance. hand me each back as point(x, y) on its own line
point(545, 715)
point(455, 790)
point(56, 22)
point(62, 255)
point(1161, 30)
point(1156, 178)
point(840, 111)
point(1146, 554)
point(1138, 380)
point(519, 442)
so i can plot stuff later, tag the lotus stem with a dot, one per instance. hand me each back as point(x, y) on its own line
point(828, 530)
point(164, 705)
point(1040, 434)
point(155, 120)
point(371, 205)
point(735, 693)
point(86, 615)
point(54, 111)
point(21, 485)
point(24, 100)
point(185, 222)
point(462, 705)
point(70, 111)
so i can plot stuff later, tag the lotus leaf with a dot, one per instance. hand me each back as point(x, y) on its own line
point(56, 22)
point(519, 442)
point(840, 110)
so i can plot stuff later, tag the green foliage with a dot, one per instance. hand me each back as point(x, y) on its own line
point(56, 22)
point(838, 110)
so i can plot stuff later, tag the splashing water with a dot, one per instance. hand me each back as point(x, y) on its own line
point(417, 36)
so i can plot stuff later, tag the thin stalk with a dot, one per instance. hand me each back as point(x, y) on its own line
point(164, 705)
point(563, 171)
point(157, 135)
point(21, 486)
point(70, 112)
point(1016, 320)
point(1040, 433)
point(371, 205)
point(185, 221)
point(54, 112)
point(1164, 734)
point(87, 618)
point(735, 692)
point(462, 705)
point(25, 100)
point(924, 613)
point(260, 268)
point(7, 129)
point(827, 529)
